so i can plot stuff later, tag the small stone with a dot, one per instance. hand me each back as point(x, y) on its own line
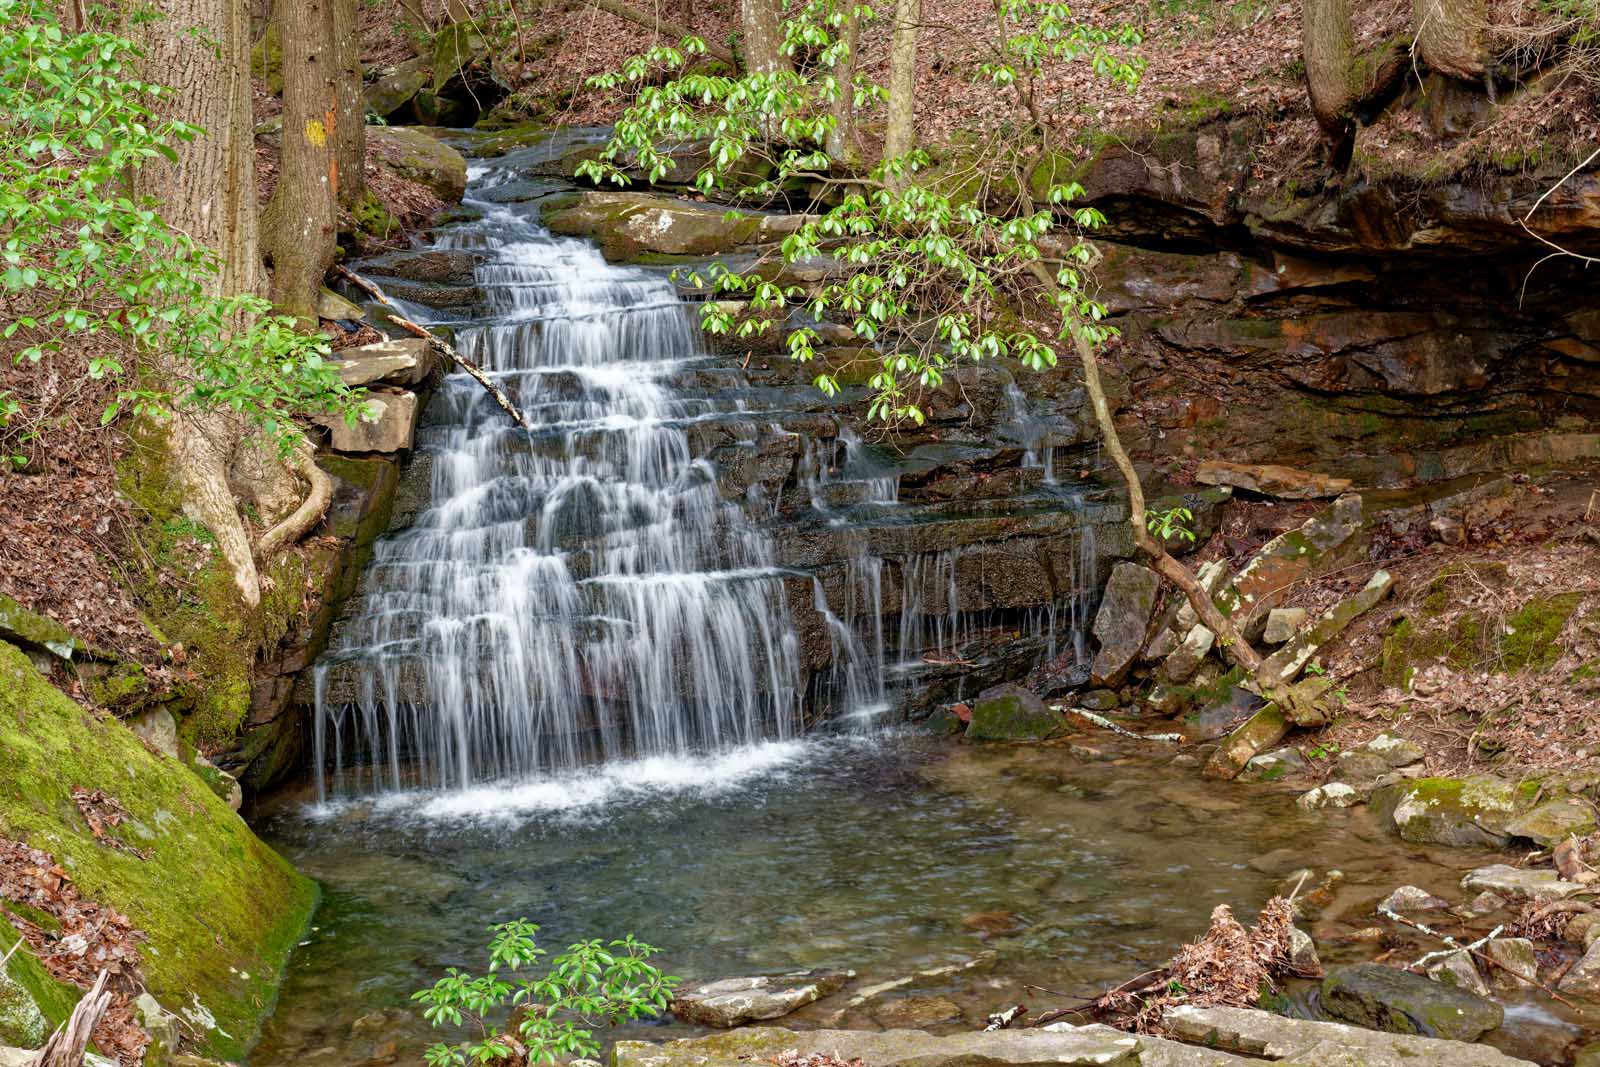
point(1166, 700)
point(1186, 658)
point(402, 361)
point(1331, 795)
point(1458, 970)
point(332, 306)
point(1486, 903)
point(1447, 529)
point(1272, 766)
point(1283, 665)
point(1282, 624)
point(1408, 898)
point(1361, 768)
point(1395, 751)
point(1099, 700)
point(1517, 883)
point(1518, 962)
point(1303, 953)
point(1161, 645)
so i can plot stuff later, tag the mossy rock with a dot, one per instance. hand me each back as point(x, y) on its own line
point(1475, 811)
point(1530, 638)
point(1011, 713)
point(32, 1004)
point(32, 630)
point(220, 909)
point(1383, 998)
point(628, 225)
point(411, 153)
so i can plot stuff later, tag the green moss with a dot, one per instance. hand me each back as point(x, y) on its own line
point(53, 1000)
point(372, 220)
point(1529, 641)
point(220, 909)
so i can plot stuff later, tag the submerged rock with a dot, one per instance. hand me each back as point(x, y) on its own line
point(1519, 883)
point(1271, 766)
point(1382, 998)
point(731, 1002)
point(1329, 795)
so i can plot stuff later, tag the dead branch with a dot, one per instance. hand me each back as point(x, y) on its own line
point(1473, 951)
point(439, 343)
point(67, 1045)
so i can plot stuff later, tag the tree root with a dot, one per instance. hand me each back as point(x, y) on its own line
point(310, 511)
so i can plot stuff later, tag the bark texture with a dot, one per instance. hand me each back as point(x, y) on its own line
point(841, 140)
point(300, 222)
point(1329, 40)
point(763, 36)
point(901, 135)
point(208, 192)
point(350, 140)
point(1449, 35)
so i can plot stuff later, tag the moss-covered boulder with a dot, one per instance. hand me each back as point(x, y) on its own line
point(1554, 821)
point(1383, 998)
point(1462, 812)
point(221, 910)
point(413, 154)
point(34, 631)
point(1012, 713)
point(395, 87)
point(1257, 734)
point(628, 225)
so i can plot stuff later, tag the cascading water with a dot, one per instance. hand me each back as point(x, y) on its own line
point(577, 594)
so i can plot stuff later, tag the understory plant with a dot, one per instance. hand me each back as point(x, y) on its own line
point(85, 263)
point(520, 1010)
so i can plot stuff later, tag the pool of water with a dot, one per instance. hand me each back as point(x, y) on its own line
point(884, 855)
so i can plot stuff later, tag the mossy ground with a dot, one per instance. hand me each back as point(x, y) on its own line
point(221, 910)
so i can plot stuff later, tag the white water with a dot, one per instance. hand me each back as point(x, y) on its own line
point(582, 595)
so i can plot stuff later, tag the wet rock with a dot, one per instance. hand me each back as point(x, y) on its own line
point(1123, 621)
point(1282, 624)
point(1323, 1044)
point(1554, 821)
point(731, 1002)
point(916, 1013)
point(1408, 899)
point(990, 924)
point(1583, 980)
point(1330, 795)
point(1256, 735)
point(1459, 812)
point(628, 225)
point(1180, 666)
point(390, 426)
point(1269, 479)
point(434, 266)
point(1459, 972)
point(1519, 883)
point(1284, 664)
point(332, 306)
point(1518, 962)
point(1303, 952)
point(1382, 998)
point(1274, 765)
point(1012, 713)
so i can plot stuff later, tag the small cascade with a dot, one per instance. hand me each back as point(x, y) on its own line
point(1035, 435)
point(578, 594)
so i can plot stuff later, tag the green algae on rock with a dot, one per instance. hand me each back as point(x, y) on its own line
point(221, 910)
point(1383, 998)
point(1472, 811)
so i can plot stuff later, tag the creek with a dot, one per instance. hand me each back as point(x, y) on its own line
point(574, 689)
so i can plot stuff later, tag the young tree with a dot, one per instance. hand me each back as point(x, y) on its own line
point(901, 136)
point(301, 218)
point(350, 126)
point(763, 43)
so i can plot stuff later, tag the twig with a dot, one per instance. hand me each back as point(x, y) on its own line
point(436, 341)
point(1472, 950)
point(1106, 724)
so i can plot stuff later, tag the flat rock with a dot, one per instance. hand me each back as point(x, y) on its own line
point(391, 426)
point(731, 1002)
point(402, 361)
point(1270, 479)
point(1382, 998)
point(1323, 1044)
point(1554, 821)
point(1323, 543)
point(1122, 621)
point(915, 1013)
point(1284, 664)
point(1519, 883)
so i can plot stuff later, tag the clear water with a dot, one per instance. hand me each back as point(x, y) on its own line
point(845, 852)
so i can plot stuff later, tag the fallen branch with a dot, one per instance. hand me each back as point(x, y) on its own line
point(1122, 731)
point(1473, 951)
point(311, 509)
point(67, 1045)
point(438, 342)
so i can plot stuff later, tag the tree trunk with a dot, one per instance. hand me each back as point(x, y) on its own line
point(201, 49)
point(1328, 38)
point(1449, 36)
point(350, 141)
point(841, 140)
point(901, 136)
point(763, 36)
point(300, 223)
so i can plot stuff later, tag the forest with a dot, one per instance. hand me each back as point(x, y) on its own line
point(799, 531)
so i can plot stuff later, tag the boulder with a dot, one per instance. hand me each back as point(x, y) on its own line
point(1269, 479)
point(1382, 998)
point(1284, 664)
point(1323, 1044)
point(413, 154)
point(394, 88)
point(1323, 543)
point(731, 1002)
point(1122, 621)
point(628, 225)
point(1460, 812)
point(402, 361)
point(1184, 660)
point(389, 426)
point(1012, 713)
point(1583, 980)
point(1282, 624)
point(1254, 736)
point(1520, 883)
point(1554, 821)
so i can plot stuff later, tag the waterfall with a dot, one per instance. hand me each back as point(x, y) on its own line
point(578, 594)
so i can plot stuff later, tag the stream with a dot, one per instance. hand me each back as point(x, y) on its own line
point(571, 690)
